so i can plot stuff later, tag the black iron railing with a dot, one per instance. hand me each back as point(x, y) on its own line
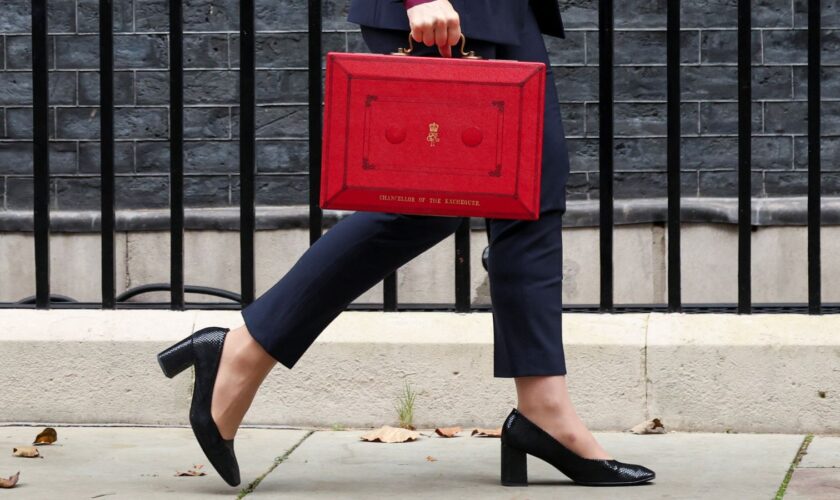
point(177, 287)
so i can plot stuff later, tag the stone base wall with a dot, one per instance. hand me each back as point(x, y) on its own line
point(695, 372)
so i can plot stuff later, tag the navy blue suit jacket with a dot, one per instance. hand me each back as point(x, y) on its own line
point(492, 20)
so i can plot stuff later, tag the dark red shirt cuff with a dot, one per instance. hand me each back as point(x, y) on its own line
point(411, 3)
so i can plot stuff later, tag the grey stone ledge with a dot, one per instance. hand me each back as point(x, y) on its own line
point(579, 213)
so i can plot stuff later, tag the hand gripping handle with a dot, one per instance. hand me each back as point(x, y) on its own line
point(466, 55)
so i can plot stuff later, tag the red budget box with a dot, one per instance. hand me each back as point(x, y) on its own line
point(434, 136)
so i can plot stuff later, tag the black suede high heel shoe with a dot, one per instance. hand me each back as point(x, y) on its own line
point(521, 437)
point(204, 350)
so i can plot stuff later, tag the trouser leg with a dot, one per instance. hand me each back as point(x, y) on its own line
point(350, 258)
point(525, 262)
point(525, 268)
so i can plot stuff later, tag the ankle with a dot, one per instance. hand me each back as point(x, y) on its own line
point(569, 430)
point(247, 353)
point(545, 406)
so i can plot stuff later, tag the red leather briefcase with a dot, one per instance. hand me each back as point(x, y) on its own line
point(431, 135)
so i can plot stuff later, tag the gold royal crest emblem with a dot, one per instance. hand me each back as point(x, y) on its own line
point(433, 134)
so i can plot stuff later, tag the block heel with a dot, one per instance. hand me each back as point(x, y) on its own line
point(514, 466)
point(520, 436)
point(177, 357)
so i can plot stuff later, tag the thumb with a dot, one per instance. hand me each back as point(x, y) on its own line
point(445, 50)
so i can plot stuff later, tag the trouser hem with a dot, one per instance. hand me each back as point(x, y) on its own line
point(530, 372)
point(260, 338)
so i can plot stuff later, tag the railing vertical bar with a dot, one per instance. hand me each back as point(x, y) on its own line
point(107, 181)
point(315, 125)
point(389, 292)
point(247, 149)
point(462, 266)
point(814, 167)
point(744, 156)
point(40, 153)
point(605, 109)
point(176, 146)
point(673, 154)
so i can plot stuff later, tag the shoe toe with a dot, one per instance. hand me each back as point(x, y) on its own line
point(232, 478)
point(643, 473)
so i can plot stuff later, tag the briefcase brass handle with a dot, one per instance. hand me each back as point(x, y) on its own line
point(466, 55)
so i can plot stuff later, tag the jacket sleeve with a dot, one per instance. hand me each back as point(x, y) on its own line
point(411, 3)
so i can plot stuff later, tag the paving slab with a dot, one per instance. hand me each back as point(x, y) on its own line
point(337, 464)
point(131, 462)
point(814, 484)
point(823, 451)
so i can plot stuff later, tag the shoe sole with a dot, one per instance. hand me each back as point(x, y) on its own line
point(613, 483)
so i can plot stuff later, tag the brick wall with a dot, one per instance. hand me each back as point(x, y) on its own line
point(709, 92)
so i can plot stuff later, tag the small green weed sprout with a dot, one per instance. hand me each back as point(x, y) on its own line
point(405, 407)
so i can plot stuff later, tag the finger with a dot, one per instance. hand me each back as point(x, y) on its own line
point(417, 35)
point(445, 50)
point(429, 35)
point(441, 36)
point(454, 31)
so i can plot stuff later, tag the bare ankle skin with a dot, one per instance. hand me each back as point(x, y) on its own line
point(545, 401)
point(243, 367)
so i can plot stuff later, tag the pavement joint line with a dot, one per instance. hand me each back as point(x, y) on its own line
point(803, 448)
point(277, 461)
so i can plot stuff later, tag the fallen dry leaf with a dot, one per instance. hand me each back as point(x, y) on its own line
point(46, 436)
point(192, 472)
point(431, 458)
point(653, 426)
point(448, 432)
point(388, 434)
point(11, 482)
point(26, 451)
point(487, 432)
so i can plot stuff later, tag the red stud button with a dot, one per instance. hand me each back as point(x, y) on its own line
point(472, 136)
point(395, 134)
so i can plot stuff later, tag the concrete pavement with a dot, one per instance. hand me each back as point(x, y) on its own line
point(817, 476)
point(308, 463)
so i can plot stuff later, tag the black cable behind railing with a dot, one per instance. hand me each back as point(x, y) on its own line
point(107, 180)
point(814, 212)
point(673, 155)
point(605, 155)
point(40, 153)
point(176, 148)
point(247, 149)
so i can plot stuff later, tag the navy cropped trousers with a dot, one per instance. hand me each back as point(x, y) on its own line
point(525, 262)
